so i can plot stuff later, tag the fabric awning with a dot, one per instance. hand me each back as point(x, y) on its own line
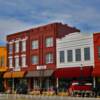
point(17, 74)
point(96, 72)
point(38, 73)
point(73, 72)
point(7, 75)
point(3, 69)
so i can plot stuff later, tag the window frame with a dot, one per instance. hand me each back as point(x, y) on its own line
point(49, 41)
point(36, 59)
point(78, 54)
point(23, 62)
point(16, 46)
point(62, 59)
point(49, 58)
point(35, 44)
point(23, 49)
point(71, 59)
point(85, 54)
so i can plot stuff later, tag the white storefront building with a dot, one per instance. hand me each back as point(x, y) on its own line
point(75, 50)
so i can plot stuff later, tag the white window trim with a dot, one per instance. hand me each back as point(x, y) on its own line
point(23, 55)
point(49, 62)
point(16, 56)
point(10, 57)
point(24, 39)
point(23, 50)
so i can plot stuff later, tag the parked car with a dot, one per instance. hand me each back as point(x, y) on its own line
point(77, 89)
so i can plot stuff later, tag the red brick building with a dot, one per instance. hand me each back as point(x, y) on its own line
point(96, 70)
point(32, 55)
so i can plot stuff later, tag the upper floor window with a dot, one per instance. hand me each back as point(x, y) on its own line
point(35, 59)
point(10, 48)
point(2, 63)
point(49, 42)
point(49, 58)
point(24, 61)
point(10, 62)
point(78, 54)
point(62, 57)
point(16, 62)
point(23, 45)
point(17, 47)
point(87, 53)
point(99, 52)
point(69, 55)
point(35, 44)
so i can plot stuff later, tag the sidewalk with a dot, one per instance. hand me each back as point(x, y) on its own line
point(35, 97)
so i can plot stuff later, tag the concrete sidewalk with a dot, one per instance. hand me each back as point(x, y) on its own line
point(34, 97)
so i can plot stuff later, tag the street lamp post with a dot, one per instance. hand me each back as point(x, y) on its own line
point(12, 81)
point(81, 72)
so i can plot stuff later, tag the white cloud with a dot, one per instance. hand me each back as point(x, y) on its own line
point(9, 26)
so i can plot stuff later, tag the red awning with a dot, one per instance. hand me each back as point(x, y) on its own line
point(96, 72)
point(73, 72)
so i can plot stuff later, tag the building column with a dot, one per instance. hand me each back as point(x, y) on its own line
point(29, 84)
point(94, 82)
point(57, 82)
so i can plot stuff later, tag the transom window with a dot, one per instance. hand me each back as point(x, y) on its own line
point(49, 42)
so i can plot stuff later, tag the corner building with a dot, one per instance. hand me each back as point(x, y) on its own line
point(32, 56)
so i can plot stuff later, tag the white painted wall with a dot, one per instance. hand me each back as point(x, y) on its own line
point(75, 41)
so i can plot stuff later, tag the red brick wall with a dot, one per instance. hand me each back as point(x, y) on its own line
point(55, 30)
point(96, 38)
point(14, 37)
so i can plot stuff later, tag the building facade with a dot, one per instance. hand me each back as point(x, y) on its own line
point(75, 59)
point(31, 55)
point(3, 65)
point(96, 70)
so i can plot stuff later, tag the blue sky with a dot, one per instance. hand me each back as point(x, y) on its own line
point(18, 15)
